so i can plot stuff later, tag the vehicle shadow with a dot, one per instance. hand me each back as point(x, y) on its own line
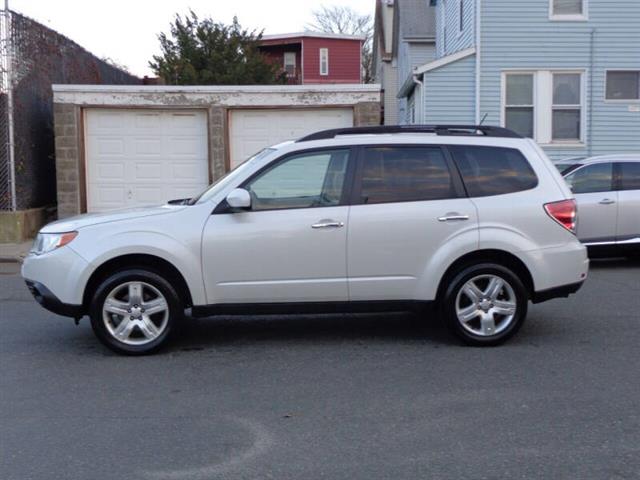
point(614, 262)
point(331, 328)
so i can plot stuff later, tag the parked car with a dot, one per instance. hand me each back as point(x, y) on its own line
point(607, 189)
point(475, 220)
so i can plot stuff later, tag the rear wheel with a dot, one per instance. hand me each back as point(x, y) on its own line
point(485, 304)
point(135, 312)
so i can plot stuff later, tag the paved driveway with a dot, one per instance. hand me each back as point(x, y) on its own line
point(357, 397)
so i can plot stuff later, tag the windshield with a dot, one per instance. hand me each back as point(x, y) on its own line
point(223, 181)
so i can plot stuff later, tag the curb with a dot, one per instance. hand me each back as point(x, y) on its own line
point(11, 259)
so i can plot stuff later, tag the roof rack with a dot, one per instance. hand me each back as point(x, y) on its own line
point(442, 130)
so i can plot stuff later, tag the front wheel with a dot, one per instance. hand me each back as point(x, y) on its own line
point(485, 304)
point(135, 312)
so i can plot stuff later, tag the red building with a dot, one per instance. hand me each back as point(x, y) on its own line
point(314, 57)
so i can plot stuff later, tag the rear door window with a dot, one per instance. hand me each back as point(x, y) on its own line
point(490, 171)
point(629, 175)
point(405, 174)
point(592, 178)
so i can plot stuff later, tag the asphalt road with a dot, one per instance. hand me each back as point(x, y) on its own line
point(357, 396)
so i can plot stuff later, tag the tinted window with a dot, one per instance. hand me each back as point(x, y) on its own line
point(592, 178)
point(313, 179)
point(630, 176)
point(493, 170)
point(405, 174)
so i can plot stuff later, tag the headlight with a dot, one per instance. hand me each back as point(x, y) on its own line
point(46, 242)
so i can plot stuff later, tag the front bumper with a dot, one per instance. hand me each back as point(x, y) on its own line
point(62, 272)
point(48, 300)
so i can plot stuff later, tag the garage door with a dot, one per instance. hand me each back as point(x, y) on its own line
point(144, 157)
point(253, 130)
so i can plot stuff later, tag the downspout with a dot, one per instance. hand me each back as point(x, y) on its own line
point(478, 58)
point(591, 62)
point(421, 84)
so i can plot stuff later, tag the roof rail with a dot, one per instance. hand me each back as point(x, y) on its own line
point(443, 130)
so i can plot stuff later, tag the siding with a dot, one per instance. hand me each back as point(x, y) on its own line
point(455, 40)
point(411, 55)
point(344, 60)
point(450, 93)
point(519, 35)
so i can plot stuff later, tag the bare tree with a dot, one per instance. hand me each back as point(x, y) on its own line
point(345, 20)
point(116, 64)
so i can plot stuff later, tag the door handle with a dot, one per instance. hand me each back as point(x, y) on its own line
point(606, 201)
point(327, 224)
point(453, 218)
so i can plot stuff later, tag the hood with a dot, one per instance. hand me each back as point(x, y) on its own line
point(88, 219)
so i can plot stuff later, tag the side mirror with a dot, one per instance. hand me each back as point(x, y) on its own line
point(239, 198)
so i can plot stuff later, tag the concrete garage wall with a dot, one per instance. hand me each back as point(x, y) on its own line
point(70, 100)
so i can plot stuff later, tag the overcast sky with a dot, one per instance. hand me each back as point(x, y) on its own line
point(126, 30)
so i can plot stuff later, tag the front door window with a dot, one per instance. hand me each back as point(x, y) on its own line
point(313, 179)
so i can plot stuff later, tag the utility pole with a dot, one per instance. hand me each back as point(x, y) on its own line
point(8, 48)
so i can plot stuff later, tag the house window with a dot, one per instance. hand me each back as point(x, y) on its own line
point(519, 103)
point(324, 61)
point(290, 63)
point(568, 9)
point(460, 16)
point(623, 85)
point(566, 108)
point(443, 19)
point(545, 105)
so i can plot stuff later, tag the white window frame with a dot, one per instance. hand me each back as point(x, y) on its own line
point(503, 117)
point(584, 16)
point(543, 105)
point(284, 60)
point(324, 52)
point(606, 79)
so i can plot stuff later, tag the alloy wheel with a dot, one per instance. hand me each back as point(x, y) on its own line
point(486, 305)
point(135, 313)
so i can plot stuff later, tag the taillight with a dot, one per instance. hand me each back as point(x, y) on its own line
point(565, 212)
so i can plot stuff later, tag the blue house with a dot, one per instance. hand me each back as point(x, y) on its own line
point(564, 72)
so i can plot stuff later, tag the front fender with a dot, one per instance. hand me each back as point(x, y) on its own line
point(183, 255)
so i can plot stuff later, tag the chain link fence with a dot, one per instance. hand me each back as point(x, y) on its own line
point(7, 173)
point(36, 57)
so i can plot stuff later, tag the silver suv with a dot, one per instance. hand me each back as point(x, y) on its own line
point(475, 220)
point(607, 189)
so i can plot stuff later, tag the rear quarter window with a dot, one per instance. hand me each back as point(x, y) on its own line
point(488, 171)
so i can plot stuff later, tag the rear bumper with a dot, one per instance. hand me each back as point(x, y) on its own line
point(556, 292)
point(48, 300)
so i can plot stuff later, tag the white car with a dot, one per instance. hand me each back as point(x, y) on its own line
point(474, 219)
point(607, 189)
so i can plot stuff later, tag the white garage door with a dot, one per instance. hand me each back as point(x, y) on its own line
point(253, 130)
point(144, 157)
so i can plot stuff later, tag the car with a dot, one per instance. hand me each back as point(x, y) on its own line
point(607, 189)
point(473, 222)
point(565, 164)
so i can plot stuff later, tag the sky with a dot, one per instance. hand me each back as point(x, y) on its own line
point(126, 30)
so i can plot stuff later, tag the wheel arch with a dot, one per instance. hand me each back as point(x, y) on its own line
point(500, 257)
point(149, 262)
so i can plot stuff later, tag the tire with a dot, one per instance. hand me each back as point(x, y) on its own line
point(135, 312)
point(496, 315)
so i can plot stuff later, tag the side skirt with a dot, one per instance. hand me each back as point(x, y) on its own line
point(309, 308)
